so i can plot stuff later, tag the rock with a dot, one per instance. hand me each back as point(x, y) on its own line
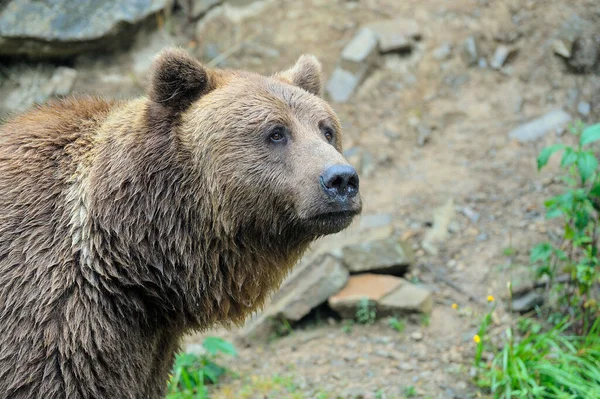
point(196, 8)
point(62, 82)
point(58, 28)
point(442, 218)
point(382, 256)
point(470, 53)
point(395, 35)
point(584, 108)
point(470, 213)
point(501, 56)
point(578, 42)
point(408, 298)
point(424, 133)
point(238, 10)
point(361, 51)
point(341, 85)
point(443, 52)
point(310, 285)
point(527, 302)
point(417, 336)
point(391, 296)
point(537, 128)
point(356, 62)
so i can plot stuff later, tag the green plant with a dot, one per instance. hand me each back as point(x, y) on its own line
point(540, 365)
point(396, 324)
point(192, 372)
point(410, 391)
point(579, 206)
point(347, 327)
point(366, 312)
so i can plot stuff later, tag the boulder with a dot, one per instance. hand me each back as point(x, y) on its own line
point(59, 28)
point(396, 34)
point(388, 255)
point(391, 296)
point(308, 287)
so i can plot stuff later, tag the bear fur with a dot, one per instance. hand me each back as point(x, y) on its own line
point(126, 224)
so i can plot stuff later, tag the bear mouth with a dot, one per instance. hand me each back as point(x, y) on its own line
point(330, 222)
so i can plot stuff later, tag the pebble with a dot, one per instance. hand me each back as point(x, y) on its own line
point(417, 335)
point(584, 108)
point(443, 52)
point(500, 57)
point(470, 52)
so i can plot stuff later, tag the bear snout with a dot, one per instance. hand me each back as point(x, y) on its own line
point(340, 182)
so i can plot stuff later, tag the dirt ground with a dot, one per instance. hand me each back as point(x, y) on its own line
point(468, 158)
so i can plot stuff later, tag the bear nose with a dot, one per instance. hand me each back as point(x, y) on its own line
point(340, 181)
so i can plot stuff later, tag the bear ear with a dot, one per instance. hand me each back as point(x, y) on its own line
point(177, 79)
point(307, 74)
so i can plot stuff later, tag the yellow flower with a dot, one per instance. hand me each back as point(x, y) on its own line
point(477, 338)
point(454, 306)
point(490, 298)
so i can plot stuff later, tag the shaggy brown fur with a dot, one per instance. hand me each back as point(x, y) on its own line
point(125, 224)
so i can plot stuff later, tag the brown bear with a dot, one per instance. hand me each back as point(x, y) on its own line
point(124, 225)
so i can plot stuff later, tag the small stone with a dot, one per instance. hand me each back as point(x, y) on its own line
point(388, 255)
point(470, 51)
point(417, 335)
point(482, 63)
point(443, 52)
point(424, 133)
point(342, 84)
point(527, 302)
point(471, 214)
point(537, 128)
point(584, 108)
point(406, 367)
point(501, 56)
point(562, 48)
point(362, 49)
point(395, 35)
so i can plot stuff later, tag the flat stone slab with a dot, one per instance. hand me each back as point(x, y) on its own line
point(391, 295)
point(537, 128)
point(59, 28)
point(389, 255)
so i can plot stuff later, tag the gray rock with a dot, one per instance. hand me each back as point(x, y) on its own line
point(584, 108)
point(501, 55)
point(388, 255)
point(470, 53)
point(443, 52)
point(58, 28)
point(527, 302)
point(197, 8)
point(342, 84)
point(408, 298)
point(395, 35)
point(309, 286)
point(586, 54)
point(361, 50)
point(537, 128)
point(578, 42)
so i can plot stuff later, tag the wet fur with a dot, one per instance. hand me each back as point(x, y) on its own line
point(119, 232)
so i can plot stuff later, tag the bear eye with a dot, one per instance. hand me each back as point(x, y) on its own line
point(277, 134)
point(328, 133)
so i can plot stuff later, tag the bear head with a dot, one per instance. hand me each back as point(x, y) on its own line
point(268, 149)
